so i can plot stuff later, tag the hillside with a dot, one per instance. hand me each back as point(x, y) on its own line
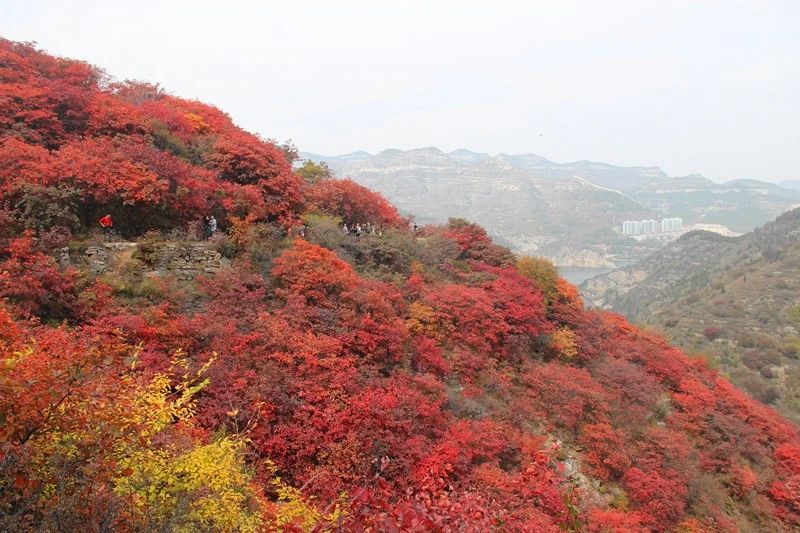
point(551, 213)
point(282, 375)
point(569, 212)
point(731, 298)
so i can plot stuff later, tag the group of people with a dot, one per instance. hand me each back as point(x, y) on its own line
point(360, 229)
point(301, 231)
point(210, 227)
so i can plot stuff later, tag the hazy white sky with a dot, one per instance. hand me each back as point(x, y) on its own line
point(693, 86)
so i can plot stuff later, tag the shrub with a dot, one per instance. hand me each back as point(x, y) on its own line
point(353, 203)
point(42, 207)
point(542, 272)
point(794, 316)
point(712, 332)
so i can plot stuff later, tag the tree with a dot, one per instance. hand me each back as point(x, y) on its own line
point(32, 284)
point(542, 272)
point(476, 244)
point(315, 275)
point(353, 203)
point(312, 172)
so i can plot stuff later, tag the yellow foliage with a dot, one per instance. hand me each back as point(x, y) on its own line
point(204, 487)
point(542, 272)
point(563, 341)
point(422, 320)
point(197, 122)
point(136, 437)
point(294, 511)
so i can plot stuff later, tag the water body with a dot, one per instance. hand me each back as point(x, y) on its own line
point(577, 275)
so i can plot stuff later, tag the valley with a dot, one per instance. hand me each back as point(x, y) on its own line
point(734, 300)
point(571, 213)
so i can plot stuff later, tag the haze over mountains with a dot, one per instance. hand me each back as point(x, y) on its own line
point(735, 299)
point(159, 378)
point(569, 212)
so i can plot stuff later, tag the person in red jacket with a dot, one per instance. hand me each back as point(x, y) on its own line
point(106, 223)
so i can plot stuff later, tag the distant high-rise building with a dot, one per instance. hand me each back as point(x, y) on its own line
point(632, 227)
point(649, 226)
point(671, 224)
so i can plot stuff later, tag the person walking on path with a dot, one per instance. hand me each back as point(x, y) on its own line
point(106, 223)
point(212, 225)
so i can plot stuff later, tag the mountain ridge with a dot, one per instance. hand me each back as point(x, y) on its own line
point(728, 297)
point(586, 233)
point(267, 369)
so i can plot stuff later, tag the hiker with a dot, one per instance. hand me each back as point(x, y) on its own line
point(358, 231)
point(212, 225)
point(372, 229)
point(415, 228)
point(106, 223)
point(345, 229)
point(303, 231)
point(206, 227)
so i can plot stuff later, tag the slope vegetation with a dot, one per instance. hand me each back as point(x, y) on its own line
point(733, 299)
point(390, 381)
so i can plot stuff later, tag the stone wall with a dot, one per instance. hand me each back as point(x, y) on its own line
point(184, 260)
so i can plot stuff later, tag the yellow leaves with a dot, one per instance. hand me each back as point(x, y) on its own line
point(204, 487)
point(196, 121)
point(423, 320)
point(161, 402)
point(134, 435)
point(542, 272)
point(293, 511)
point(563, 341)
point(16, 357)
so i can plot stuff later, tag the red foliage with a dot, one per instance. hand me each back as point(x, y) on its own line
point(786, 490)
point(712, 332)
point(312, 275)
point(117, 146)
point(564, 396)
point(353, 203)
point(22, 163)
point(32, 284)
point(242, 158)
point(97, 166)
point(614, 521)
point(604, 451)
point(427, 400)
point(662, 500)
point(499, 318)
point(475, 244)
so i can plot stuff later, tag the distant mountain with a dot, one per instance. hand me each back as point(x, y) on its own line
point(603, 174)
point(267, 380)
point(563, 218)
point(790, 184)
point(742, 292)
point(740, 205)
point(467, 157)
point(569, 212)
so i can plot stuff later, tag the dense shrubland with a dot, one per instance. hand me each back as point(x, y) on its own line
point(398, 381)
